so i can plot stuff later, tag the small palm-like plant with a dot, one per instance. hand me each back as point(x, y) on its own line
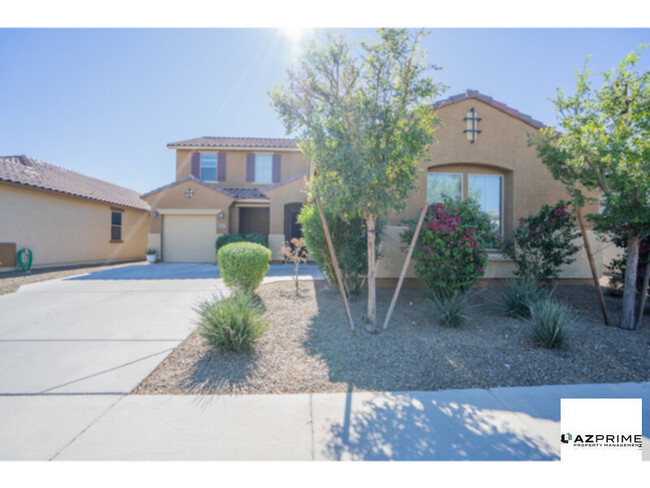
point(232, 324)
point(517, 297)
point(551, 323)
point(451, 310)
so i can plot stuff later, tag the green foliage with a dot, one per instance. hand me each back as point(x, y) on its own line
point(451, 310)
point(243, 264)
point(551, 323)
point(450, 254)
point(350, 243)
point(617, 266)
point(151, 251)
point(363, 114)
point(257, 238)
point(232, 324)
point(225, 239)
point(603, 143)
point(517, 297)
point(543, 243)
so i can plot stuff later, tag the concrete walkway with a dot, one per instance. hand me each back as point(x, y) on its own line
point(496, 424)
point(105, 331)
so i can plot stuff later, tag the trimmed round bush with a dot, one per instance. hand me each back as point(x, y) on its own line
point(243, 264)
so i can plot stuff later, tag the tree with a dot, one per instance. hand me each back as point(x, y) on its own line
point(365, 121)
point(605, 146)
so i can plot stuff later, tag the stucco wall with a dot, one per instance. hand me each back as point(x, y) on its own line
point(501, 147)
point(293, 163)
point(66, 230)
point(174, 197)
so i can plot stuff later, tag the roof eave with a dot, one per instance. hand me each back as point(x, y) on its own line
point(232, 148)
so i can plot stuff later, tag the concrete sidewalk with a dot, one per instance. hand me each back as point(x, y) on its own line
point(497, 424)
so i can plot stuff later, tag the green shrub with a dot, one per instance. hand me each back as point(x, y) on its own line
point(551, 323)
point(225, 239)
point(451, 251)
point(243, 264)
point(451, 311)
point(349, 238)
point(232, 324)
point(543, 243)
point(256, 238)
point(517, 297)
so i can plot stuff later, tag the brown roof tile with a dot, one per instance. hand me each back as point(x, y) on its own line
point(35, 173)
point(469, 94)
point(245, 193)
point(237, 142)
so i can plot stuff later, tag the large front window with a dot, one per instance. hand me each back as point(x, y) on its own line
point(486, 189)
point(263, 168)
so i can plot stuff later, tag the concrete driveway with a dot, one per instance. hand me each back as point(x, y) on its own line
point(103, 332)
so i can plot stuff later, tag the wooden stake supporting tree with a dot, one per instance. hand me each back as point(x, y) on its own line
point(590, 257)
point(405, 267)
point(335, 263)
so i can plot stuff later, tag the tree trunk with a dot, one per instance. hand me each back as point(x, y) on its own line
point(644, 293)
point(372, 292)
point(629, 288)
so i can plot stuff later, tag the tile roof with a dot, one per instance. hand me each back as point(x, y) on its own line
point(469, 94)
point(27, 171)
point(237, 142)
point(245, 193)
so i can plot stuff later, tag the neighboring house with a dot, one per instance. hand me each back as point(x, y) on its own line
point(244, 185)
point(227, 185)
point(66, 217)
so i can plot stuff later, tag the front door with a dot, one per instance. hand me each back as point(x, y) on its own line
point(292, 228)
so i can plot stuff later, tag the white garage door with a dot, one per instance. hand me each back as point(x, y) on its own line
point(189, 238)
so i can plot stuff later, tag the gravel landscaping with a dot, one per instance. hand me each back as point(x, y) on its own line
point(309, 348)
point(11, 281)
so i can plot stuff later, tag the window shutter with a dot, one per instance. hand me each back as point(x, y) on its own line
point(221, 167)
point(196, 165)
point(250, 168)
point(277, 167)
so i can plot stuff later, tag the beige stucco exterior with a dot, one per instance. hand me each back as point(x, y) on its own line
point(501, 148)
point(293, 163)
point(173, 202)
point(61, 229)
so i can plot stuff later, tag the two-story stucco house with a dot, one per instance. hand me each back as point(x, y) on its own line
point(227, 185)
point(244, 185)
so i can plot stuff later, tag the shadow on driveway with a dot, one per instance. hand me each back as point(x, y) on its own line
point(192, 271)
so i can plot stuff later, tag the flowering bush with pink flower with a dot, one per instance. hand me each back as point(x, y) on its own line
point(451, 251)
point(542, 244)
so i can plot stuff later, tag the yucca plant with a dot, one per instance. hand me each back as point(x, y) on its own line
point(451, 310)
point(517, 297)
point(551, 323)
point(233, 323)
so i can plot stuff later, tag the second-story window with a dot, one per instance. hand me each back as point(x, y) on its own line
point(263, 168)
point(208, 167)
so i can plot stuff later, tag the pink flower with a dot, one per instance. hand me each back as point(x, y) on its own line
point(430, 251)
point(401, 248)
point(471, 230)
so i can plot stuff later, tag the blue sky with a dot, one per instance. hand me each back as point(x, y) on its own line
point(105, 102)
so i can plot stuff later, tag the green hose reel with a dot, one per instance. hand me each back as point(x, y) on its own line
point(24, 259)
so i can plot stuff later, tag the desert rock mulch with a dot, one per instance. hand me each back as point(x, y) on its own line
point(309, 348)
